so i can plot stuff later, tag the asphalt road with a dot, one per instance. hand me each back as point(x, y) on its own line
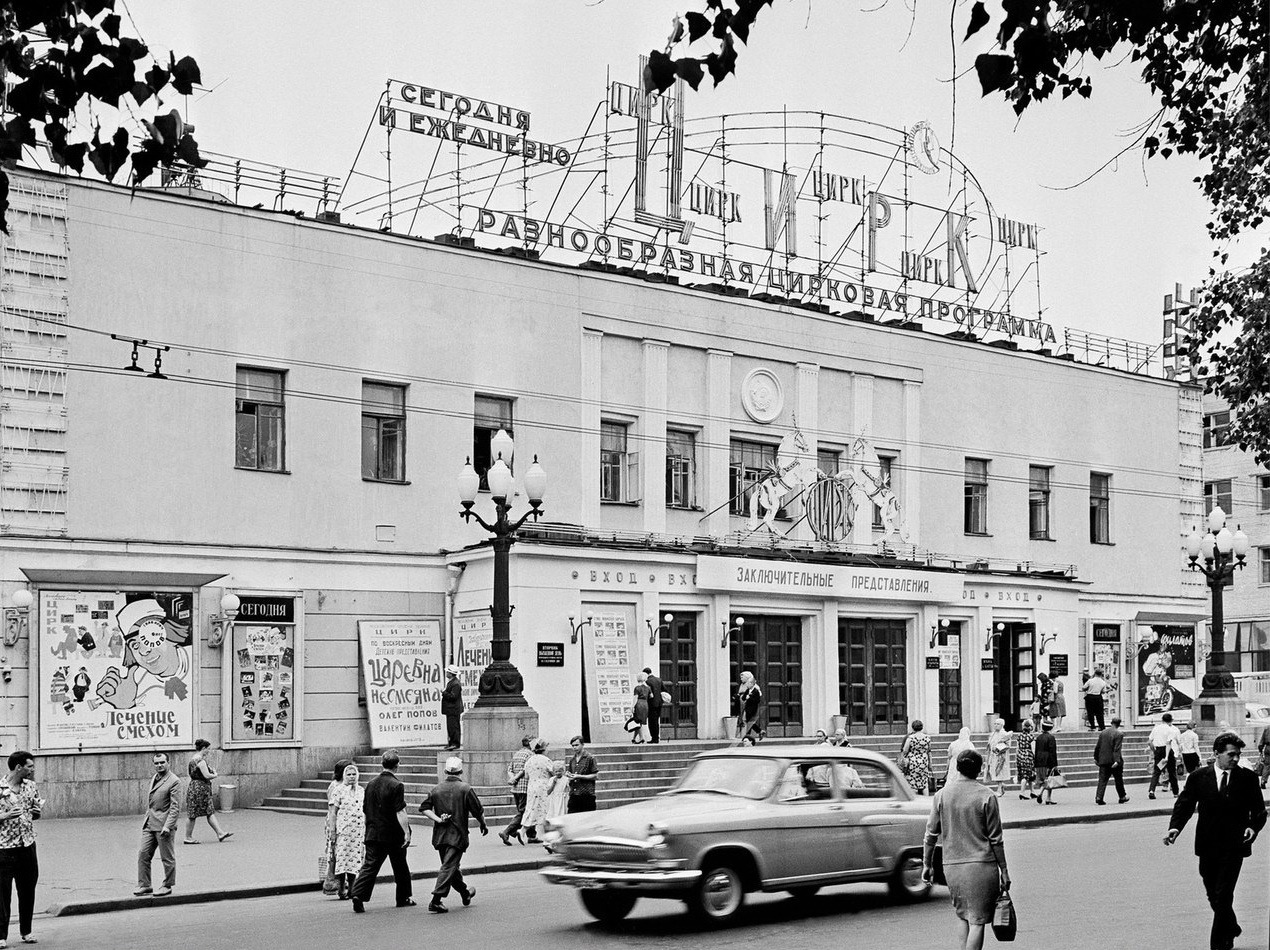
point(1109, 886)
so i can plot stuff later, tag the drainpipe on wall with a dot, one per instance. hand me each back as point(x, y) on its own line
point(455, 574)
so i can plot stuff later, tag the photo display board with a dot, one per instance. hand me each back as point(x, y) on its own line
point(1165, 668)
point(608, 669)
point(263, 671)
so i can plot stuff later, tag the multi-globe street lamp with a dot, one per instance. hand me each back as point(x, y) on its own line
point(501, 683)
point(1216, 554)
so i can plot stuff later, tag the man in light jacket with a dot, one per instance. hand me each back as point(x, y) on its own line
point(158, 831)
point(1109, 757)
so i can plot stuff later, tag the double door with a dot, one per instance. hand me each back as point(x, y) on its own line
point(677, 667)
point(1014, 674)
point(872, 675)
point(772, 649)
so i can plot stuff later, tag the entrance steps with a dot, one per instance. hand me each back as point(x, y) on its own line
point(631, 773)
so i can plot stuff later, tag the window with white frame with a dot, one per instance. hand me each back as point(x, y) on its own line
point(1217, 429)
point(489, 414)
point(1038, 502)
point(1217, 493)
point(1263, 492)
point(1263, 559)
point(885, 465)
point(976, 497)
point(260, 420)
point(1099, 508)
point(619, 476)
point(383, 432)
point(748, 464)
point(681, 468)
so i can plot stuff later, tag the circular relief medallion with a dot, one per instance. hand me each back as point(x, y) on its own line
point(923, 148)
point(762, 396)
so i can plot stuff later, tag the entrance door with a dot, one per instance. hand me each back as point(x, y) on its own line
point(772, 649)
point(950, 682)
point(1014, 683)
point(678, 671)
point(872, 676)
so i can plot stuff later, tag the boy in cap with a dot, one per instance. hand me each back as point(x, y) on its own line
point(452, 708)
point(449, 805)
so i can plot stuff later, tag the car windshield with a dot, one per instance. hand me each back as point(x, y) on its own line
point(743, 776)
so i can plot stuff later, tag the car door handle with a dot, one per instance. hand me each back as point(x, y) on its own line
point(837, 807)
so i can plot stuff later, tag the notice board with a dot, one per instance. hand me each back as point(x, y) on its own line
point(609, 679)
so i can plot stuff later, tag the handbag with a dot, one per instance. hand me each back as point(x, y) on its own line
point(326, 872)
point(631, 724)
point(1056, 779)
point(1005, 922)
point(665, 698)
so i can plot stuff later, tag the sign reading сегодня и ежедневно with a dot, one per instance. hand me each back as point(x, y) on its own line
point(825, 580)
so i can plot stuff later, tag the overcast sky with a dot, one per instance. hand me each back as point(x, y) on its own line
point(296, 83)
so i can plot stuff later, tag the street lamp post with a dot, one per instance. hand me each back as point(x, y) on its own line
point(1217, 554)
point(501, 683)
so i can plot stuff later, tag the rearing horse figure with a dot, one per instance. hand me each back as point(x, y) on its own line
point(871, 485)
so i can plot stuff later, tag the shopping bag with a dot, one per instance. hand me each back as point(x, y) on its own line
point(665, 698)
point(324, 868)
point(1005, 922)
point(1056, 779)
point(631, 725)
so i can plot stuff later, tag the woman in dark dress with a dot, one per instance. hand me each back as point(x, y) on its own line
point(640, 711)
point(1045, 761)
point(749, 700)
point(198, 800)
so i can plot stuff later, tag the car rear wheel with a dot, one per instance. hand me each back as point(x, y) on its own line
point(607, 906)
point(906, 882)
point(719, 894)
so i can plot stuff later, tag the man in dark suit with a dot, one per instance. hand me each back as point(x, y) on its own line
point(654, 684)
point(1231, 813)
point(387, 835)
point(449, 806)
point(1109, 757)
point(452, 708)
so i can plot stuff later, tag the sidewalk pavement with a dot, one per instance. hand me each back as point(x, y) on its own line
point(88, 865)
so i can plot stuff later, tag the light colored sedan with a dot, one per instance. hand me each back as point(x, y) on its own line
point(790, 818)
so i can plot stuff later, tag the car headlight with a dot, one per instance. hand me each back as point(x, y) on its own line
point(657, 835)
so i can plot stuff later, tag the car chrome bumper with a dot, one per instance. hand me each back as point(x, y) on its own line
point(651, 880)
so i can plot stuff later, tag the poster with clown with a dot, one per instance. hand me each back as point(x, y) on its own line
point(115, 670)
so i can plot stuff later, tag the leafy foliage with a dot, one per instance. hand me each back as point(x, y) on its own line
point(67, 55)
point(1207, 62)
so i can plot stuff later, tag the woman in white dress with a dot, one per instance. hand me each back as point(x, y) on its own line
point(999, 756)
point(541, 774)
point(558, 800)
point(346, 822)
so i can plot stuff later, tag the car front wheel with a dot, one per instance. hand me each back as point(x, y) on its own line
point(719, 894)
point(906, 882)
point(607, 906)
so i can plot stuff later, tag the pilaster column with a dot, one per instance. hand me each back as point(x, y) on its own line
point(592, 394)
point(714, 450)
point(652, 447)
point(862, 424)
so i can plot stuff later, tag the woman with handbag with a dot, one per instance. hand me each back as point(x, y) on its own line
point(915, 758)
point(639, 712)
point(966, 818)
point(1045, 763)
point(1024, 761)
point(749, 700)
point(198, 800)
point(347, 823)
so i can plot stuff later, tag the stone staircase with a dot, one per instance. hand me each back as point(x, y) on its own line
point(631, 773)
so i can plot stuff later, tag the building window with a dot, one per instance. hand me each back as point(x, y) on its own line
point(681, 469)
point(1217, 493)
point(260, 420)
point(1217, 430)
point(828, 461)
point(491, 414)
point(1099, 508)
point(383, 432)
point(1263, 492)
point(1263, 558)
point(618, 475)
point(884, 467)
point(1038, 502)
point(976, 514)
point(749, 464)
point(1248, 647)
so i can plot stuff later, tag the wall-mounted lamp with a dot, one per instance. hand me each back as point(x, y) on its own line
point(221, 624)
point(994, 634)
point(1048, 638)
point(6, 670)
point(935, 630)
point(660, 628)
point(17, 617)
point(737, 624)
point(576, 628)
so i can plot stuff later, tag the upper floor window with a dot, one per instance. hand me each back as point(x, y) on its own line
point(1217, 493)
point(681, 469)
point(1099, 508)
point(885, 465)
point(383, 432)
point(491, 414)
point(1217, 429)
point(618, 476)
point(749, 464)
point(976, 502)
point(1038, 502)
point(1263, 561)
point(828, 461)
point(1263, 492)
point(260, 420)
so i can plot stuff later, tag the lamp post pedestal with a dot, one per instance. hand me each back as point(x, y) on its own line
point(490, 735)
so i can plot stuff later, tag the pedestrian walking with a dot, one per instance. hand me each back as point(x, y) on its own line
point(1188, 744)
point(20, 807)
point(452, 708)
point(966, 818)
point(163, 808)
point(915, 758)
point(963, 743)
point(1094, 689)
point(346, 821)
point(198, 799)
point(655, 703)
point(1263, 748)
point(1059, 710)
point(1109, 757)
point(519, 783)
point(1164, 740)
point(840, 739)
point(580, 772)
point(541, 782)
point(450, 806)
point(1024, 759)
point(1231, 814)
point(999, 756)
point(749, 702)
point(387, 835)
point(1044, 697)
point(1045, 762)
point(639, 710)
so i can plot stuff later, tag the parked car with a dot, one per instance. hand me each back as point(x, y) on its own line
point(769, 818)
point(1258, 714)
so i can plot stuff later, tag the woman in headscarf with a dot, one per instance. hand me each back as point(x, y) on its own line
point(955, 748)
point(330, 885)
point(639, 712)
point(348, 819)
point(1023, 758)
point(749, 700)
point(541, 774)
point(999, 756)
point(915, 758)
